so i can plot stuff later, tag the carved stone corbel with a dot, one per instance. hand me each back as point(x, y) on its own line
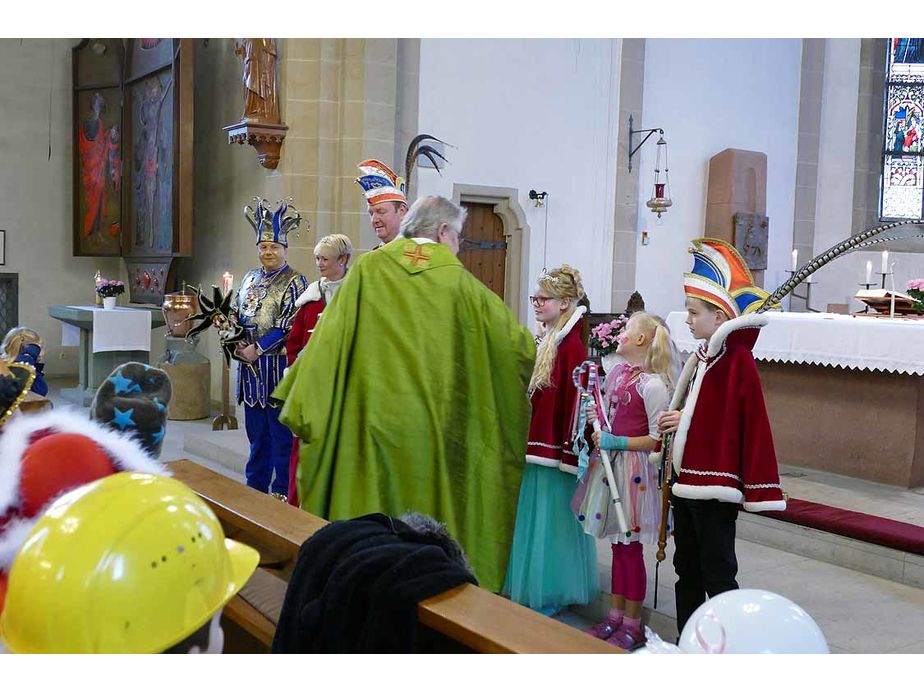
point(266, 139)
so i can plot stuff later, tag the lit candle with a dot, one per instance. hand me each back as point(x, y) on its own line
point(227, 281)
point(869, 271)
point(885, 261)
point(795, 259)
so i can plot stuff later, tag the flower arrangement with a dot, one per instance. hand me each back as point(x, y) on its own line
point(916, 291)
point(110, 287)
point(603, 336)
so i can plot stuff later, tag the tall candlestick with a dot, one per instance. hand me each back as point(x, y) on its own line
point(227, 281)
point(869, 271)
point(892, 306)
point(795, 259)
point(885, 261)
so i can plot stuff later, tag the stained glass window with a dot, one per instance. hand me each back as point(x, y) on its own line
point(902, 179)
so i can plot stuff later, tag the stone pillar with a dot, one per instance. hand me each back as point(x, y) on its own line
point(737, 183)
point(340, 98)
point(625, 232)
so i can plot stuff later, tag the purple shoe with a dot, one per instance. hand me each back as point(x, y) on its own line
point(628, 637)
point(604, 629)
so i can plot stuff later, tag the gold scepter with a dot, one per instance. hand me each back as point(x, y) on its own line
point(664, 478)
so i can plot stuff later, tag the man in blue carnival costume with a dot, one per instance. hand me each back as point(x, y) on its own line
point(265, 308)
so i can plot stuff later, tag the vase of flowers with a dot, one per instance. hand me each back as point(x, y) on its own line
point(109, 290)
point(603, 340)
point(916, 291)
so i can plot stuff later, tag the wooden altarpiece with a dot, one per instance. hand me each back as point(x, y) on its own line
point(133, 170)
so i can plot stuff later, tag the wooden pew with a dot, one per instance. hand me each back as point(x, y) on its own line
point(472, 618)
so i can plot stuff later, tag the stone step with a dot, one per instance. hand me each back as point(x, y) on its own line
point(898, 566)
point(226, 448)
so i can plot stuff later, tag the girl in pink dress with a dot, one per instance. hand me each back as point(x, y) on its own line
point(634, 393)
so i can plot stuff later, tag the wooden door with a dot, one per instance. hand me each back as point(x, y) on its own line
point(483, 246)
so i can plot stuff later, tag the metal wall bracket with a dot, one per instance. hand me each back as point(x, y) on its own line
point(633, 133)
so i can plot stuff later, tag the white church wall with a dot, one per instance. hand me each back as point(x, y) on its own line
point(36, 189)
point(710, 95)
point(532, 114)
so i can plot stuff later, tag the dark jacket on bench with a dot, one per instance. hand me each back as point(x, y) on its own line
point(357, 583)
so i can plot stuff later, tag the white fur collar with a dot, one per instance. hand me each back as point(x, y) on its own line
point(572, 321)
point(124, 451)
point(717, 341)
point(309, 295)
point(316, 291)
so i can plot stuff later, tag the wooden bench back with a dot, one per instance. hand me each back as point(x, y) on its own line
point(473, 617)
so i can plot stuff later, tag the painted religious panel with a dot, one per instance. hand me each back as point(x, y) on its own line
point(149, 55)
point(97, 151)
point(133, 130)
point(157, 177)
point(901, 190)
point(150, 106)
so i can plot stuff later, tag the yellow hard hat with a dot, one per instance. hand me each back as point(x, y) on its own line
point(131, 563)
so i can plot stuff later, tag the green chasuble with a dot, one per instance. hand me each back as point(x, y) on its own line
point(411, 395)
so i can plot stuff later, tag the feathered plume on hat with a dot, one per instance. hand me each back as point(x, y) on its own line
point(721, 277)
point(897, 231)
point(381, 184)
point(270, 225)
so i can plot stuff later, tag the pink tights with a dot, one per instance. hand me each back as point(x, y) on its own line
point(629, 577)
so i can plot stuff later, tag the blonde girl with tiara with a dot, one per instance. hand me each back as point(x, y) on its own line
point(634, 393)
point(552, 561)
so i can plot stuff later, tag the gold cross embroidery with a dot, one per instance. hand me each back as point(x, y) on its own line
point(416, 256)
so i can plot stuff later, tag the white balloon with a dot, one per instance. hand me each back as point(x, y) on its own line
point(752, 622)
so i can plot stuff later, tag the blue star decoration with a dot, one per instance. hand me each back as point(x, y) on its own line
point(160, 406)
point(123, 384)
point(123, 419)
point(159, 436)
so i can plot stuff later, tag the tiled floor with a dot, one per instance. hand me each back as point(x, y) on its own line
point(857, 612)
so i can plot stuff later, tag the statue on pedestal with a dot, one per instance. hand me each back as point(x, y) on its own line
point(260, 125)
point(261, 103)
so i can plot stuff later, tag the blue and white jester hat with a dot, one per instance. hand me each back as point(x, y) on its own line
point(273, 226)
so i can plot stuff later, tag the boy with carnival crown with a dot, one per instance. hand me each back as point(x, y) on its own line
point(722, 453)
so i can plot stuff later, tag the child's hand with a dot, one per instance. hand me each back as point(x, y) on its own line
point(668, 421)
point(591, 414)
point(607, 441)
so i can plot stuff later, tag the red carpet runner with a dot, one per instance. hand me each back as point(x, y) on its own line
point(854, 525)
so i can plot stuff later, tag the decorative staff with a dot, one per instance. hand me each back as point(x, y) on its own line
point(592, 393)
point(664, 483)
point(217, 312)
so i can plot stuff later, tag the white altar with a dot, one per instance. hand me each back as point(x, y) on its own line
point(828, 339)
point(844, 393)
point(107, 339)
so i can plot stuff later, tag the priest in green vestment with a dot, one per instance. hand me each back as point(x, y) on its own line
point(411, 393)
